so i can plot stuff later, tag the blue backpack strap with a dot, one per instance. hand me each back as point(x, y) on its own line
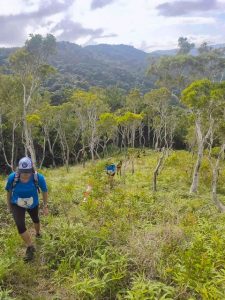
point(15, 180)
point(36, 181)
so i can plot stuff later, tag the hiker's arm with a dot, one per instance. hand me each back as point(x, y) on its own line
point(9, 193)
point(45, 202)
point(45, 198)
point(43, 186)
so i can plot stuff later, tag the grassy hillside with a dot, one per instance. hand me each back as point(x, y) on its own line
point(124, 243)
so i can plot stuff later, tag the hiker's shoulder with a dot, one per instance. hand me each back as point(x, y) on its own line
point(11, 176)
point(40, 176)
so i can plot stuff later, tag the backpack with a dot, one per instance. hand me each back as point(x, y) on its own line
point(17, 178)
point(111, 169)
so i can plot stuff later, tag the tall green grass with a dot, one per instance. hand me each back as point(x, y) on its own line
point(122, 243)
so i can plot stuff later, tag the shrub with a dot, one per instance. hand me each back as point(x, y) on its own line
point(144, 289)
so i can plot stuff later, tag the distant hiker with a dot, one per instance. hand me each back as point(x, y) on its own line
point(119, 168)
point(111, 171)
point(22, 189)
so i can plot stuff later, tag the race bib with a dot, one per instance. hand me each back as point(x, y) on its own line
point(25, 202)
point(110, 172)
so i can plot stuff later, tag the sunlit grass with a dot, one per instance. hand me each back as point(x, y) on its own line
point(122, 243)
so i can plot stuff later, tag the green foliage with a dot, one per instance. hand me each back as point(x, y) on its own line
point(122, 243)
point(178, 71)
point(197, 95)
point(143, 289)
point(203, 259)
point(129, 118)
point(5, 295)
point(33, 119)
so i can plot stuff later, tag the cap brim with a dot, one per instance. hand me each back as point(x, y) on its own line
point(25, 171)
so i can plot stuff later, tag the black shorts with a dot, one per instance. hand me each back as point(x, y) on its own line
point(19, 216)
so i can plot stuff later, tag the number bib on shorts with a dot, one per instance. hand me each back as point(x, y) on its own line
point(25, 202)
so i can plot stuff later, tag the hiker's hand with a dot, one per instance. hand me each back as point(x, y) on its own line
point(45, 210)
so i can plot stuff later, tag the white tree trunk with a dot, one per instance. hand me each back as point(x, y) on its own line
point(156, 171)
point(195, 178)
point(29, 146)
point(201, 143)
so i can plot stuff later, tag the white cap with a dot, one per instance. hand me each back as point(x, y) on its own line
point(25, 165)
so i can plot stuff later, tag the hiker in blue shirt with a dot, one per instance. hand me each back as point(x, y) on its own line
point(22, 189)
point(110, 171)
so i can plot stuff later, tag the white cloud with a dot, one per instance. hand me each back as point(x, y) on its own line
point(135, 22)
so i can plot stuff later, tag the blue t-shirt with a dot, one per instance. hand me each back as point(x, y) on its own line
point(26, 194)
point(111, 169)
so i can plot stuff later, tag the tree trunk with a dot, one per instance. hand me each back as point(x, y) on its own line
point(43, 154)
point(29, 142)
point(133, 132)
point(92, 152)
point(195, 178)
point(51, 151)
point(29, 147)
point(156, 171)
point(132, 166)
point(13, 145)
point(201, 142)
point(67, 158)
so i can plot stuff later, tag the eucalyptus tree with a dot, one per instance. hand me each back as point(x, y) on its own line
point(134, 101)
point(107, 129)
point(162, 118)
point(67, 126)
point(179, 71)
point(159, 111)
point(129, 123)
point(10, 117)
point(49, 124)
point(115, 97)
point(184, 45)
point(88, 107)
point(216, 143)
point(199, 100)
point(29, 64)
point(204, 48)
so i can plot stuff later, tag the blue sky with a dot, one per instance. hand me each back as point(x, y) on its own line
point(145, 24)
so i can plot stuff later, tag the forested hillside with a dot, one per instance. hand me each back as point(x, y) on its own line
point(100, 65)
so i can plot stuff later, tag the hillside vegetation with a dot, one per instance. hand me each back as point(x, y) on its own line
point(122, 243)
point(99, 65)
point(156, 233)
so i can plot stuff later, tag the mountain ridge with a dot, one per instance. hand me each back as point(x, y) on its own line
point(101, 65)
